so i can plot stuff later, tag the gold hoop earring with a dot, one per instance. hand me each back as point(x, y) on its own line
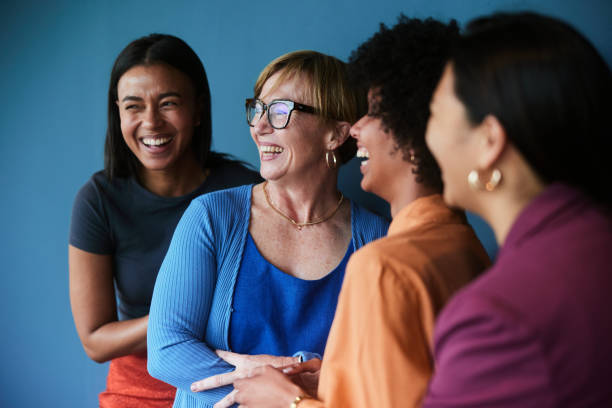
point(332, 162)
point(490, 185)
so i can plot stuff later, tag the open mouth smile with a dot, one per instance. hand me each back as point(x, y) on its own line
point(156, 141)
point(362, 153)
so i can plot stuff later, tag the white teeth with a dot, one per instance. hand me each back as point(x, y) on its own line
point(271, 149)
point(363, 152)
point(364, 163)
point(156, 142)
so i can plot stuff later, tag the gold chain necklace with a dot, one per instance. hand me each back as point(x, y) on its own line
point(299, 225)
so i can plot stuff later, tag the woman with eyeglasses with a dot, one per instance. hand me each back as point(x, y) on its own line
point(157, 159)
point(520, 127)
point(255, 271)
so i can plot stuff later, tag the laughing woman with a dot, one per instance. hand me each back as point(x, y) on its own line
point(157, 160)
point(257, 270)
point(520, 127)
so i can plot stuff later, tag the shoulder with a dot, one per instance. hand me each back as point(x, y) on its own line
point(222, 211)
point(234, 197)
point(227, 173)
point(480, 342)
point(377, 264)
point(99, 187)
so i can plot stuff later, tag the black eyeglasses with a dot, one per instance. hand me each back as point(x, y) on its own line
point(279, 111)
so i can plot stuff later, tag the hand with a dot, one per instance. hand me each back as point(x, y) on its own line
point(245, 364)
point(305, 375)
point(267, 388)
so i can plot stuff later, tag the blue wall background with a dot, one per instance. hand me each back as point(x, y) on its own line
point(56, 58)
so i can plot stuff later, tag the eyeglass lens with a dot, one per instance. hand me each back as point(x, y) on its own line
point(278, 113)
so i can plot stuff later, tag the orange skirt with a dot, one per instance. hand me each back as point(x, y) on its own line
point(129, 385)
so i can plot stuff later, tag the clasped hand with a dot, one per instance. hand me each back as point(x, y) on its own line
point(262, 372)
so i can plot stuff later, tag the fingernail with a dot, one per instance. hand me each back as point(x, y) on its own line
point(193, 388)
point(287, 370)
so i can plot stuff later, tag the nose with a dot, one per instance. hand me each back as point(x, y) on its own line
point(263, 125)
point(152, 118)
point(356, 128)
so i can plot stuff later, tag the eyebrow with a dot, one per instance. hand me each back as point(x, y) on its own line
point(161, 96)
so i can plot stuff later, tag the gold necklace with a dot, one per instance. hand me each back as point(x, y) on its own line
point(299, 225)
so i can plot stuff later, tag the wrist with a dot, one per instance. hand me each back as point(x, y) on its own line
point(297, 400)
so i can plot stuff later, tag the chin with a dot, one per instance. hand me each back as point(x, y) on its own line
point(366, 186)
point(448, 199)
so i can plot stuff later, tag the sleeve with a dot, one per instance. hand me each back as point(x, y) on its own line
point(89, 229)
point(378, 354)
point(486, 357)
point(181, 306)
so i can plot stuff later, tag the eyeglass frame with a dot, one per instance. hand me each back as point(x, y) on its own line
point(291, 104)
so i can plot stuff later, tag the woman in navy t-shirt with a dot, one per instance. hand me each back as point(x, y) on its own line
point(157, 159)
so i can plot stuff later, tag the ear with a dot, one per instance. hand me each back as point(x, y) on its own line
point(493, 141)
point(340, 134)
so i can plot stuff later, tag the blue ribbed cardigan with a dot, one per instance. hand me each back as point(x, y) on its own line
point(192, 300)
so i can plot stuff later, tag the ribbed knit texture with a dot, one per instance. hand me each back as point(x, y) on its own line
point(191, 306)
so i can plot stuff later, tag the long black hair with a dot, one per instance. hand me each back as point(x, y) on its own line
point(119, 161)
point(549, 88)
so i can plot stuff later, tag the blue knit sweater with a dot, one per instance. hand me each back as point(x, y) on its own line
point(191, 306)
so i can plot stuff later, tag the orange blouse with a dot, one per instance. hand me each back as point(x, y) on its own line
point(379, 350)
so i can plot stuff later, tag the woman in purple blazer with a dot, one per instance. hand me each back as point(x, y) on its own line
point(520, 125)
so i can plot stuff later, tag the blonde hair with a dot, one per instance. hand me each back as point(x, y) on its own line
point(328, 88)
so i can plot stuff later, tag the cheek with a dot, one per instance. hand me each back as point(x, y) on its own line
point(126, 123)
point(432, 139)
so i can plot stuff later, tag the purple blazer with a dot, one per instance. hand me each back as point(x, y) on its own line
point(536, 329)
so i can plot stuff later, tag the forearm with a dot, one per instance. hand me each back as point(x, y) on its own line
point(179, 359)
point(116, 339)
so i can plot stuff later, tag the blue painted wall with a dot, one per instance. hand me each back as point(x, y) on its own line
point(55, 63)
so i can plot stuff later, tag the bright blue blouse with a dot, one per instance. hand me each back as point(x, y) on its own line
point(274, 313)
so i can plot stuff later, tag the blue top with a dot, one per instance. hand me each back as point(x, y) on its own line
point(191, 306)
point(269, 303)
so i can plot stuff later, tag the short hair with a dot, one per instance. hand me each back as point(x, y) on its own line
point(548, 87)
point(154, 49)
point(328, 89)
point(403, 65)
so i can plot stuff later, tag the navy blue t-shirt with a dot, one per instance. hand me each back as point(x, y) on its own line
point(123, 219)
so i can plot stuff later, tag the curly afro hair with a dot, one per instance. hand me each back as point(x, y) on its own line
point(402, 66)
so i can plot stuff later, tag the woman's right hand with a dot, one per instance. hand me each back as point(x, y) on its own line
point(94, 309)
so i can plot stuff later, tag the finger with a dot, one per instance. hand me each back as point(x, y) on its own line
point(310, 366)
point(279, 362)
point(233, 358)
point(215, 381)
point(227, 401)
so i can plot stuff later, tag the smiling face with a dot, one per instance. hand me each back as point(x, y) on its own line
point(452, 140)
point(383, 159)
point(299, 148)
point(158, 113)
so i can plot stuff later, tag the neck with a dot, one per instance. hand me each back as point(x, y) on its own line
point(305, 201)
point(402, 189)
point(505, 204)
point(181, 179)
point(406, 196)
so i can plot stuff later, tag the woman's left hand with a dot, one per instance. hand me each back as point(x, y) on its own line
point(245, 364)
